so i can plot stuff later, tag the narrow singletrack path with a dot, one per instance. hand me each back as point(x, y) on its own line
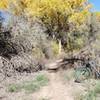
point(56, 89)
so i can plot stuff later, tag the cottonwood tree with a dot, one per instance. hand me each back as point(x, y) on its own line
point(61, 17)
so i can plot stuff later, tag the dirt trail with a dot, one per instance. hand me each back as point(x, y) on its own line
point(56, 90)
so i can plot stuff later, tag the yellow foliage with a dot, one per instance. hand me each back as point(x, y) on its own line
point(49, 9)
point(57, 14)
point(4, 4)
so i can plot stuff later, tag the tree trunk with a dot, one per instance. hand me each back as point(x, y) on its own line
point(60, 46)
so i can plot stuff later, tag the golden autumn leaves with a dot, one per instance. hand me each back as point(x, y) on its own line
point(75, 10)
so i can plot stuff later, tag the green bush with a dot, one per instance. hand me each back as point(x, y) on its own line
point(30, 86)
point(55, 48)
point(14, 88)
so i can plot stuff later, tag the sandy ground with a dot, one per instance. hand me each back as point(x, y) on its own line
point(56, 89)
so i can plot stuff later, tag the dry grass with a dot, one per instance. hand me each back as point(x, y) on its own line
point(92, 91)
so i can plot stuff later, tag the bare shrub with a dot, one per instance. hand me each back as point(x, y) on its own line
point(27, 34)
point(17, 43)
point(25, 63)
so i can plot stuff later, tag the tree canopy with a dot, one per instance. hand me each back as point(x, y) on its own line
point(62, 18)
